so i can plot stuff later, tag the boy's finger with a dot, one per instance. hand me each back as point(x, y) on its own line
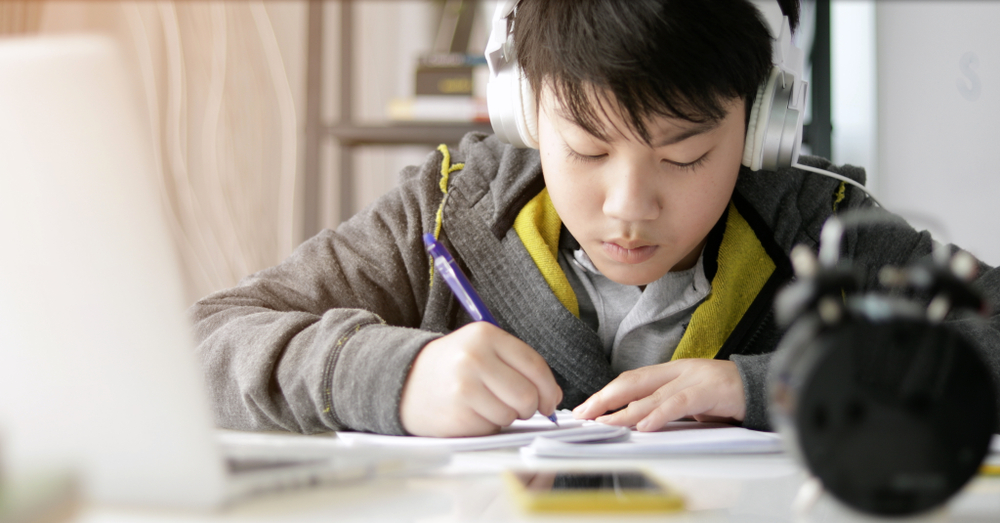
point(485, 404)
point(686, 402)
point(611, 397)
point(511, 387)
point(642, 408)
point(627, 388)
point(470, 424)
point(628, 416)
point(525, 360)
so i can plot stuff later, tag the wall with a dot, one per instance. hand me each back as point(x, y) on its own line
point(939, 116)
point(211, 81)
point(853, 86)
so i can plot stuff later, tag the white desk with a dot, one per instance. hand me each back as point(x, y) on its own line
point(763, 488)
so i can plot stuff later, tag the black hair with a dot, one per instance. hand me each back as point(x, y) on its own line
point(675, 58)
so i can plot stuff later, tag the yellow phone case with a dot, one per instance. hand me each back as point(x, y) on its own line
point(597, 500)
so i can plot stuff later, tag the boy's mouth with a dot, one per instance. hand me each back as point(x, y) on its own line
point(624, 254)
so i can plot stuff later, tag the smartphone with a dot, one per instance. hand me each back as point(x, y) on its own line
point(591, 491)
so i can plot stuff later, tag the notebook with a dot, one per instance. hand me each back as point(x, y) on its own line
point(678, 438)
point(97, 365)
point(518, 434)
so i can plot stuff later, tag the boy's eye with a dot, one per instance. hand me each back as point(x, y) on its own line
point(573, 155)
point(690, 166)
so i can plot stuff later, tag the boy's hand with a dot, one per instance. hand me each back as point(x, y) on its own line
point(707, 390)
point(473, 382)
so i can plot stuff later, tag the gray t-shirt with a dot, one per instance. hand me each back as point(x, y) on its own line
point(638, 327)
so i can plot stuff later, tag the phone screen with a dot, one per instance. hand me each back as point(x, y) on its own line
point(599, 481)
point(592, 491)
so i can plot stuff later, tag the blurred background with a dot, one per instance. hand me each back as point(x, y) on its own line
point(272, 120)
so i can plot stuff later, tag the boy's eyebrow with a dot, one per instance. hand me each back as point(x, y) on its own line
point(697, 129)
point(687, 133)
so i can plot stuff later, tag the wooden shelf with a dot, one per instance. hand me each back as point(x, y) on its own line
point(348, 134)
point(422, 133)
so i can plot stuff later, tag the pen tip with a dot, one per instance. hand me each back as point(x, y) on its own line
point(552, 418)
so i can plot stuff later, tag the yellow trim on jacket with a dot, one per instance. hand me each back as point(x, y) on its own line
point(743, 269)
point(538, 225)
point(446, 169)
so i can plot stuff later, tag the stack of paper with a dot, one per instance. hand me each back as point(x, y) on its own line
point(678, 438)
point(574, 438)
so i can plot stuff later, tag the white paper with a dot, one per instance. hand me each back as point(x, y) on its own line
point(520, 433)
point(678, 438)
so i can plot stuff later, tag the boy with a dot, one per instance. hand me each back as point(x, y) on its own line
point(632, 261)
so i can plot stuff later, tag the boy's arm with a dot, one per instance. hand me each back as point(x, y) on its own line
point(324, 340)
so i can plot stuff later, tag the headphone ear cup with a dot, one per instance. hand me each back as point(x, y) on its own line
point(748, 143)
point(760, 113)
point(512, 107)
point(500, 102)
point(529, 112)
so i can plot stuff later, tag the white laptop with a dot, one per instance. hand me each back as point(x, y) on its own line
point(97, 365)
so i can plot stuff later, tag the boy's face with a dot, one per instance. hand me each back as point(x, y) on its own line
point(640, 210)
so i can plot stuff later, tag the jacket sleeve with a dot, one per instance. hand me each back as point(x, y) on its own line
point(753, 371)
point(324, 341)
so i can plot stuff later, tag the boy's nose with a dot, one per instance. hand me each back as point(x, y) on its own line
point(631, 198)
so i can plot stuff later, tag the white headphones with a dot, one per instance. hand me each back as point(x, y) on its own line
point(774, 133)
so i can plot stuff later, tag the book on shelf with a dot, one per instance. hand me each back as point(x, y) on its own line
point(439, 108)
point(451, 60)
point(451, 74)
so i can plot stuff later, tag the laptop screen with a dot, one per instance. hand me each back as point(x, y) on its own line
point(97, 368)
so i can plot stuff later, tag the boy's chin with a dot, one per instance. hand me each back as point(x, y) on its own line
point(632, 275)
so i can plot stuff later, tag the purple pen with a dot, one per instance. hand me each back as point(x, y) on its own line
point(456, 280)
point(460, 286)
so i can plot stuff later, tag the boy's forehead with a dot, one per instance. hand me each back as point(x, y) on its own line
point(663, 130)
point(680, 130)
